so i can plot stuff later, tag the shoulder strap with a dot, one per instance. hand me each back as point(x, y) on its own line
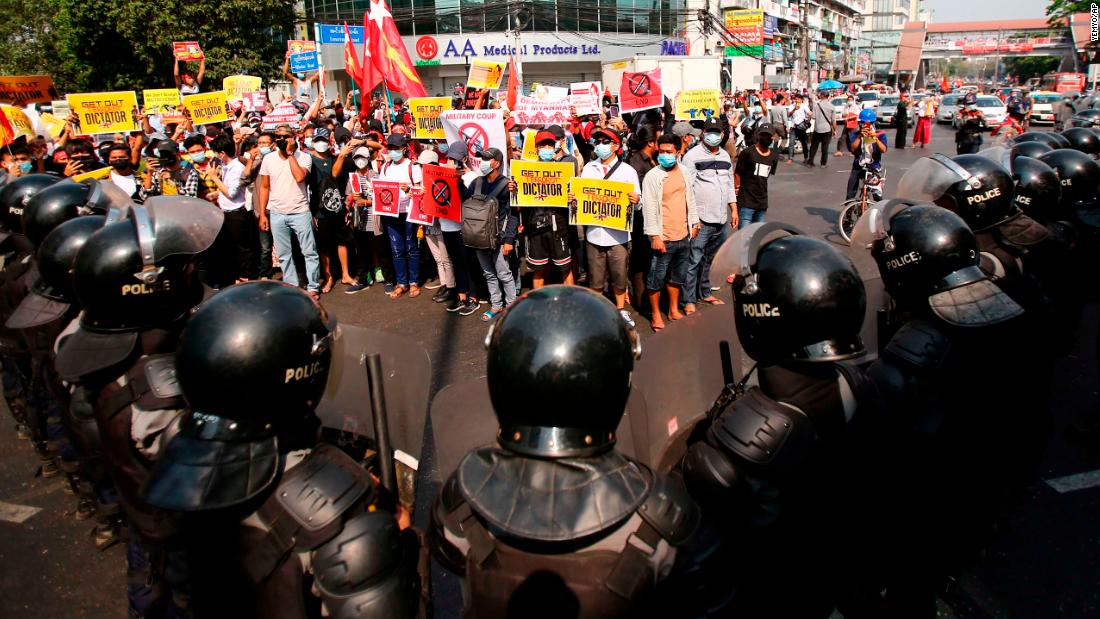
point(618, 163)
point(495, 192)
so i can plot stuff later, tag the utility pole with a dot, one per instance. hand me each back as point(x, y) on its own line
point(997, 60)
point(805, 14)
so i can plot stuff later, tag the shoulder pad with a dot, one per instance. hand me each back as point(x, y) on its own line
point(670, 510)
point(920, 344)
point(770, 438)
point(160, 373)
point(315, 494)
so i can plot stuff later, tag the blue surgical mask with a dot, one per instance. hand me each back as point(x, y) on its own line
point(712, 139)
point(666, 160)
point(265, 150)
point(198, 158)
point(486, 167)
point(25, 167)
point(546, 154)
point(603, 151)
point(396, 155)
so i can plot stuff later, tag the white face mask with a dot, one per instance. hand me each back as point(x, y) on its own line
point(247, 156)
point(321, 147)
point(362, 162)
point(486, 167)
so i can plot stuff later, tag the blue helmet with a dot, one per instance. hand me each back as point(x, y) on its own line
point(867, 116)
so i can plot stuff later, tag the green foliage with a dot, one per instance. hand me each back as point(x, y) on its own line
point(89, 45)
point(1030, 66)
point(1058, 10)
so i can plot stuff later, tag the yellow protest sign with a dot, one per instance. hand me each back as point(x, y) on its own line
point(697, 104)
point(160, 101)
point(105, 112)
point(20, 122)
point(207, 107)
point(425, 112)
point(485, 74)
point(236, 86)
point(96, 175)
point(601, 203)
point(530, 149)
point(53, 125)
point(25, 89)
point(542, 184)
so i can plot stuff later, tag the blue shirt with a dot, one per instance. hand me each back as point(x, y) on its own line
point(873, 151)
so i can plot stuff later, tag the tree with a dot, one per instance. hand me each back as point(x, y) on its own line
point(89, 45)
point(1024, 67)
point(1058, 11)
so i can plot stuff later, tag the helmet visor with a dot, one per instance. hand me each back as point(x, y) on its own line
point(182, 225)
point(1000, 155)
point(927, 180)
point(870, 227)
point(737, 255)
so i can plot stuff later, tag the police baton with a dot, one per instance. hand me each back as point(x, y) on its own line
point(386, 471)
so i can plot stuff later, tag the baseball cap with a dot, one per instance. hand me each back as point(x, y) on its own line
point(683, 129)
point(397, 139)
point(457, 151)
point(490, 153)
point(362, 151)
point(765, 128)
point(556, 131)
point(545, 136)
point(427, 156)
point(712, 125)
point(321, 134)
point(609, 134)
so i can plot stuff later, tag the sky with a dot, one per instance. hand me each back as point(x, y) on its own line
point(982, 10)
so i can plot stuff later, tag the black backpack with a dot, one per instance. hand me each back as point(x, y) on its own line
point(481, 227)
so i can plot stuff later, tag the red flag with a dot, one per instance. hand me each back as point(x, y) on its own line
point(388, 53)
point(513, 83)
point(351, 61)
point(369, 76)
point(7, 132)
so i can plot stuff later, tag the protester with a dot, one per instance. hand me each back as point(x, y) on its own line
point(433, 235)
point(186, 82)
point(754, 167)
point(204, 164)
point(823, 129)
point(642, 158)
point(166, 174)
point(926, 116)
point(494, 262)
point(801, 121)
point(779, 118)
point(868, 147)
point(848, 125)
point(671, 222)
point(284, 208)
point(969, 126)
point(901, 120)
point(240, 225)
point(464, 303)
point(17, 161)
point(545, 229)
point(709, 171)
point(404, 244)
point(326, 200)
point(606, 248)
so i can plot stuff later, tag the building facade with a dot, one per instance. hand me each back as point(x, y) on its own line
point(882, 34)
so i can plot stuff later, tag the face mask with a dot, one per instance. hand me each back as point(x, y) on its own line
point(198, 158)
point(603, 151)
point(396, 155)
point(441, 148)
point(247, 156)
point(321, 147)
point(764, 142)
point(362, 162)
point(486, 168)
point(265, 150)
point(712, 139)
point(666, 160)
point(25, 167)
point(546, 154)
point(120, 165)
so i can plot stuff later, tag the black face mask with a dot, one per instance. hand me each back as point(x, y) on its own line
point(764, 142)
point(120, 165)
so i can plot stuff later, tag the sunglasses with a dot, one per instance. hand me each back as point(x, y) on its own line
point(602, 141)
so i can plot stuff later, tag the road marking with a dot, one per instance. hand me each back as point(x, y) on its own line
point(1073, 483)
point(10, 512)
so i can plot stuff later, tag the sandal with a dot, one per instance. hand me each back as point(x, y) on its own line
point(491, 314)
point(397, 292)
point(414, 291)
point(712, 300)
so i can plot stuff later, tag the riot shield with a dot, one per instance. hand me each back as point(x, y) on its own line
point(346, 405)
point(463, 420)
point(866, 230)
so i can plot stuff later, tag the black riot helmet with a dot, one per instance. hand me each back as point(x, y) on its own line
point(928, 258)
point(15, 195)
point(67, 199)
point(137, 273)
point(1043, 137)
point(559, 368)
point(51, 295)
point(795, 298)
point(1030, 149)
point(1084, 140)
point(976, 188)
point(1079, 176)
point(252, 364)
point(1086, 118)
point(1037, 190)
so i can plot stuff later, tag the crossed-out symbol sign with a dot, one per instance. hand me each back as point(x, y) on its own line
point(441, 191)
point(476, 138)
point(639, 84)
point(386, 198)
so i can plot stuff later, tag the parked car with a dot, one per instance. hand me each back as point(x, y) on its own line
point(868, 98)
point(991, 107)
point(838, 103)
point(1043, 108)
point(948, 106)
point(887, 108)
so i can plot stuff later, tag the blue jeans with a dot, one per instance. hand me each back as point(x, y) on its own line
point(748, 216)
point(301, 225)
point(669, 267)
point(498, 275)
point(701, 253)
point(405, 248)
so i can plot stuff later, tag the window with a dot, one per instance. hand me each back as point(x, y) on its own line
point(544, 15)
point(626, 16)
point(607, 15)
point(445, 15)
point(473, 20)
point(402, 15)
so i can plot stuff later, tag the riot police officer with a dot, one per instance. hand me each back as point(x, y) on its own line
point(957, 425)
point(552, 520)
point(252, 364)
point(135, 281)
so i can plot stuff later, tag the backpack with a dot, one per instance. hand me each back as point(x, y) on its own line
point(480, 218)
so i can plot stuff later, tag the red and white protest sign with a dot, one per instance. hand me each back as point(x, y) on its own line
point(255, 101)
point(478, 129)
point(283, 114)
point(530, 111)
point(387, 197)
point(585, 97)
point(416, 208)
point(441, 197)
point(641, 91)
point(187, 50)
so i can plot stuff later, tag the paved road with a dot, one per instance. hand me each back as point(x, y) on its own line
point(1045, 561)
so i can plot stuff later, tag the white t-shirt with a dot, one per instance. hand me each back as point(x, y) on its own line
point(403, 172)
point(231, 177)
point(126, 183)
point(598, 235)
point(286, 195)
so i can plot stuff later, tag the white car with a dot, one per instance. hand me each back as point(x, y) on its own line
point(948, 106)
point(991, 107)
point(868, 99)
point(1042, 106)
point(887, 108)
point(838, 103)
